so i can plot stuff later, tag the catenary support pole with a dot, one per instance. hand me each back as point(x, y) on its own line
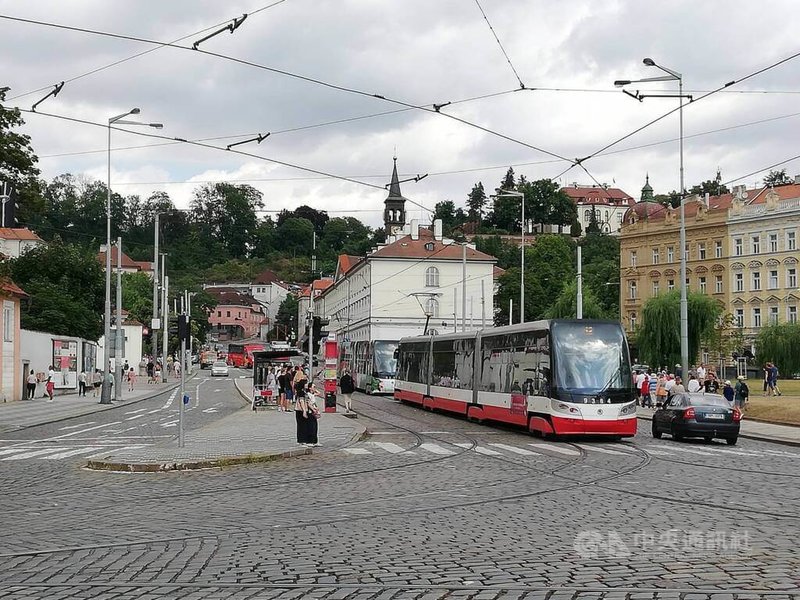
point(579, 300)
point(455, 310)
point(483, 304)
point(510, 311)
point(119, 331)
point(464, 286)
point(165, 320)
point(183, 378)
point(156, 259)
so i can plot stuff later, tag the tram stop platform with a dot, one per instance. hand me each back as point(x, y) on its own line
point(244, 437)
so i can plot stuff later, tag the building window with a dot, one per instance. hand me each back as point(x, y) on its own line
point(756, 317)
point(670, 254)
point(633, 258)
point(791, 314)
point(755, 244)
point(773, 315)
point(431, 277)
point(670, 284)
point(432, 308)
point(655, 288)
point(791, 240)
point(633, 321)
point(701, 251)
point(632, 290)
point(739, 317)
point(655, 256)
point(738, 282)
point(8, 324)
point(718, 284)
point(587, 215)
point(228, 313)
point(619, 218)
point(686, 252)
point(718, 249)
point(737, 247)
point(702, 285)
point(773, 280)
point(219, 313)
point(791, 278)
point(773, 242)
point(756, 283)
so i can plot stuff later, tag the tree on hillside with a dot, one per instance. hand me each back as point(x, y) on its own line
point(712, 187)
point(137, 296)
point(296, 236)
point(508, 182)
point(566, 305)
point(225, 214)
point(18, 165)
point(286, 317)
point(506, 253)
point(507, 213)
point(450, 215)
point(600, 255)
point(476, 202)
point(66, 288)
point(545, 203)
point(777, 178)
point(317, 217)
point(658, 338)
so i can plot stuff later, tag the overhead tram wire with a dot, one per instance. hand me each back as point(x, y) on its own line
point(333, 86)
point(223, 149)
point(138, 54)
point(769, 168)
point(499, 43)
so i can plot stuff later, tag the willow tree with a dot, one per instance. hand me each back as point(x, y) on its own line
point(659, 337)
point(778, 344)
point(566, 304)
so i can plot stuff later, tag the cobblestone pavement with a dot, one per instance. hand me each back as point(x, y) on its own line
point(429, 506)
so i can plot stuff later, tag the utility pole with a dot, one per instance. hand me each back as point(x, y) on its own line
point(510, 311)
point(311, 334)
point(183, 372)
point(464, 286)
point(483, 305)
point(119, 341)
point(455, 313)
point(579, 300)
point(153, 328)
point(165, 319)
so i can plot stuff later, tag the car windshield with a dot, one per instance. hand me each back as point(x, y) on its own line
point(385, 361)
point(220, 364)
point(708, 400)
point(590, 358)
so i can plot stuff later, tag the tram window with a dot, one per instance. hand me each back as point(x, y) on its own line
point(465, 353)
point(497, 364)
point(444, 364)
point(413, 363)
point(516, 363)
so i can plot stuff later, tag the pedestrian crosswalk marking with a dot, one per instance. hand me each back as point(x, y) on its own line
point(658, 452)
point(689, 450)
point(136, 417)
point(357, 451)
point(515, 450)
point(436, 449)
point(12, 450)
point(73, 452)
point(479, 449)
point(390, 447)
point(133, 412)
point(32, 453)
point(554, 448)
point(593, 448)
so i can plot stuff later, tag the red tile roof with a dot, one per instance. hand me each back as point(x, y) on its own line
point(127, 261)
point(18, 233)
point(405, 247)
point(144, 265)
point(347, 262)
point(597, 195)
point(320, 285)
point(266, 277)
point(12, 289)
point(230, 297)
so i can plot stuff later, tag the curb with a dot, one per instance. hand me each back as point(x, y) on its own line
point(748, 436)
point(244, 396)
point(104, 407)
point(168, 467)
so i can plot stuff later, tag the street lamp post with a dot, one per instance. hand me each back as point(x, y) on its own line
point(672, 76)
point(105, 395)
point(521, 196)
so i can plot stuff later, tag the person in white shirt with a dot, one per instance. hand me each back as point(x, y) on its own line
point(701, 374)
point(639, 379)
point(694, 385)
point(670, 383)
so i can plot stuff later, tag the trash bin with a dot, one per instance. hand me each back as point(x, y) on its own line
point(330, 401)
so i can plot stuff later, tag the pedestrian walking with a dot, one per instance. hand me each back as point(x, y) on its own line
point(301, 412)
point(651, 400)
point(728, 392)
point(131, 379)
point(97, 381)
point(157, 373)
point(281, 381)
point(82, 383)
point(176, 367)
point(740, 393)
point(348, 386)
point(678, 387)
point(51, 382)
point(32, 381)
point(766, 378)
point(694, 384)
point(644, 389)
point(312, 419)
point(773, 379)
point(661, 390)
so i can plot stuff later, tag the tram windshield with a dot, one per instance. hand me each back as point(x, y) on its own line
point(385, 361)
point(591, 361)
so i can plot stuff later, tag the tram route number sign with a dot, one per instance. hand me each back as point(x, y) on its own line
point(519, 405)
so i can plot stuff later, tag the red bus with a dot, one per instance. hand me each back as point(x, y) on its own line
point(241, 355)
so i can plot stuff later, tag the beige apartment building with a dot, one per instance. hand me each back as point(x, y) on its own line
point(741, 248)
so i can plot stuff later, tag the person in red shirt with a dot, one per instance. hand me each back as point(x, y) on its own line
point(644, 390)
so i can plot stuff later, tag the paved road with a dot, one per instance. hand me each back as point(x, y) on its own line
point(427, 507)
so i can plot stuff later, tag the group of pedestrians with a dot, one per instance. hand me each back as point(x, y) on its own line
point(771, 380)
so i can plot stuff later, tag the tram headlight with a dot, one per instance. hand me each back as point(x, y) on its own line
point(564, 408)
point(628, 409)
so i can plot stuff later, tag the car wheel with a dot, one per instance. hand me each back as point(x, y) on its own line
point(656, 432)
point(675, 435)
point(732, 441)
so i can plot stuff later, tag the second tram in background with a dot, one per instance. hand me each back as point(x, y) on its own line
point(372, 364)
point(558, 377)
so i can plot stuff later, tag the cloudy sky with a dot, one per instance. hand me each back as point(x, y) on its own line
point(419, 53)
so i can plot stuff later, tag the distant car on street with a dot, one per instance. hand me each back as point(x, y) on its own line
point(640, 368)
point(697, 415)
point(219, 369)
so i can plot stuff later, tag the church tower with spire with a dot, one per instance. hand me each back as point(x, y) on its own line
point(647, 190)
point(394, 215)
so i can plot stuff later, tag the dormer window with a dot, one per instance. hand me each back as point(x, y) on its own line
point(429, 246)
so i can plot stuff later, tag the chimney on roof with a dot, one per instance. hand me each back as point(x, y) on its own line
point(705, 198)
point(797, 178)
point(575, 184)
point(414, 229)
point(437, 230)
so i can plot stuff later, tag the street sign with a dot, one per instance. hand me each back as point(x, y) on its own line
point(155, 323)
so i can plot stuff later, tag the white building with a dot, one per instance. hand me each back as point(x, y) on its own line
point(270, 292)
point(16, 240)
point(608, 204)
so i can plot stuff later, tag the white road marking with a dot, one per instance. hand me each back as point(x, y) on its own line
point(389, 447)
point(32, 453)
point(384, 432)
point(430, 432)
point(153, 411)
point(112, 450)
point(357, 451)
point(58, 437)
point(12, 450)
point(69, 453)
point(554, 448)
point(436, 449)
point(76, 426)
point(515, 450)
point(217, 391)
point(135, 417)
point(209, 410)
point(657, 452)
point(479, 449)
point(688, 450)
point(133, 412)
point(594, 448)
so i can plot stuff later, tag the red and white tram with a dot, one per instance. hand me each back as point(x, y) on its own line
point(557, 377)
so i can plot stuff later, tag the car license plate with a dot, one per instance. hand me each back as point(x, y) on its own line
point(714, 416)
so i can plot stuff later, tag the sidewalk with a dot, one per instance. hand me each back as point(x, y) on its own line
point(41, 411)
point(241, 438)
point(754, 430)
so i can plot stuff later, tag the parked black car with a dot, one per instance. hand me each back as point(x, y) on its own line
point(706, 416)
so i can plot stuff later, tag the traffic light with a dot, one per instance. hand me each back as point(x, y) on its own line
point(183, 327)
point(172, 325)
